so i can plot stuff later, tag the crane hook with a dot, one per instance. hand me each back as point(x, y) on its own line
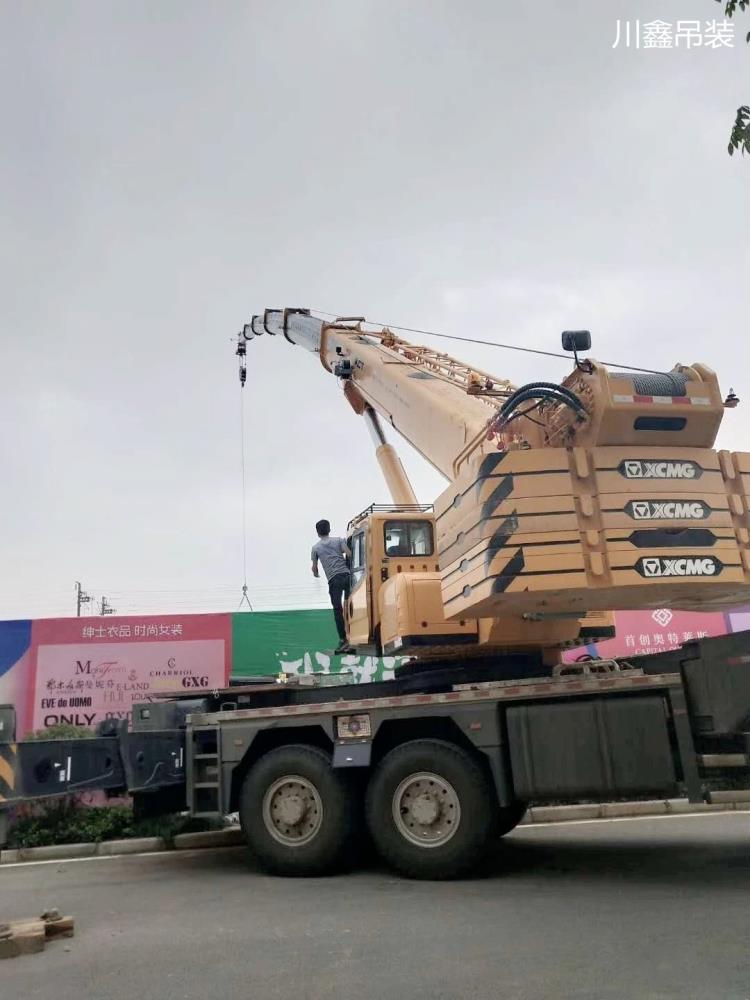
point(241, 353)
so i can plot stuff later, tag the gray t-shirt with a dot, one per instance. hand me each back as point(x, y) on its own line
point(330, 553)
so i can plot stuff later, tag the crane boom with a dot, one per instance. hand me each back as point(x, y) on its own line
point(439, 404)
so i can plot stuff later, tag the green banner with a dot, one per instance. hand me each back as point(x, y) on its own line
point(297, 642)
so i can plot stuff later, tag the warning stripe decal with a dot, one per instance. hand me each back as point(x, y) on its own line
point(664, 400)
point(7, 771)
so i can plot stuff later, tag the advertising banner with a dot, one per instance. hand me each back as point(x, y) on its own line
point(652, 632)
point(85, 670)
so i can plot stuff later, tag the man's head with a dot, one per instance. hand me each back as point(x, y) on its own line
point(323, 528)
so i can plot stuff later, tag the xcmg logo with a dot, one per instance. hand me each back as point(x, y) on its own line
point(663, 566)
point(667, 510)
point(636, 468)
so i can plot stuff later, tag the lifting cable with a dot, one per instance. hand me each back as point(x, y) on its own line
point(243, 376)
point(491, 343)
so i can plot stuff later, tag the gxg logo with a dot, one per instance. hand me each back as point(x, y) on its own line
point(662, 566)
point(667, 510)
point(636, 468)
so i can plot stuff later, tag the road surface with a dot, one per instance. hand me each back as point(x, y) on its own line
point(648, 909)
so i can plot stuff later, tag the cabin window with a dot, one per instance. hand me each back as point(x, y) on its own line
point(404, 539)
point(358, 557)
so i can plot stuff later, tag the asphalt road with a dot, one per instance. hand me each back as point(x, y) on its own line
point(651, 908)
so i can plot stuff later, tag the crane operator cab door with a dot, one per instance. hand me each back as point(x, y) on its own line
point(358, 617)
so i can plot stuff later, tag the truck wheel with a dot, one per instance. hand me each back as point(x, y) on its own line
point(431, 810)
point(509, 817)
point(298, 814)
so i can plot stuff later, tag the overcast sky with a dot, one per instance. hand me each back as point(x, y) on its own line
point(484, 168)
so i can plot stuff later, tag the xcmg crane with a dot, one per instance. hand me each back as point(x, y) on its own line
point(564, 500)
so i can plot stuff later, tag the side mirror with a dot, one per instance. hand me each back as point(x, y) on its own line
point(576, 340)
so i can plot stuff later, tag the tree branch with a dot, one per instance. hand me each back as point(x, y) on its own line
point(739, 137)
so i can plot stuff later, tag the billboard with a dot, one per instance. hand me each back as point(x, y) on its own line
point(87, 670)
point(654, 631)
point(81, 671)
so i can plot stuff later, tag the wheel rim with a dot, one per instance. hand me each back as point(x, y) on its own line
point(292, 810)
point(426, 809)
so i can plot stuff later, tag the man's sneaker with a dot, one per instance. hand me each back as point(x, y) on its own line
point(343, 647)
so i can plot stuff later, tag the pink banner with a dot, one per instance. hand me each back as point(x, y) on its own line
point(86, 670)
point(652, 632)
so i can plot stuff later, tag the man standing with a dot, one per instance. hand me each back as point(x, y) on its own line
point(332, 552)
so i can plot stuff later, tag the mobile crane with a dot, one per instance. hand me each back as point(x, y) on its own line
point(564, 500)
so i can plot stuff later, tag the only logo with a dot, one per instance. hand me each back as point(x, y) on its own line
point(636, 468)
point(663, 566)
point(667, 510)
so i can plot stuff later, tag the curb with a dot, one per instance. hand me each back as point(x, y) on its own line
point(135, 845)
point(232, 836)
point(720, 802)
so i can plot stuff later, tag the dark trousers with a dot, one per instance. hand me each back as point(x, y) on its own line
point(339, 587)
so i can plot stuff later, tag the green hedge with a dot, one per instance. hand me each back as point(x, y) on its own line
point(62, 731)
point(66, 822)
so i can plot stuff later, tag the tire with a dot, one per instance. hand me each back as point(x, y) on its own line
point(426, 784)
point(300, 817)
point(509, 817)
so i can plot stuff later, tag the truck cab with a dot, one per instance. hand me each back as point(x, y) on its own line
point(396, 605)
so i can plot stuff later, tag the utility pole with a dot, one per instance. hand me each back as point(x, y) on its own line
point(106, 609)
point(81, 598)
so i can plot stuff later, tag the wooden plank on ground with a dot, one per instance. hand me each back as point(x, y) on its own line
point(26, 937)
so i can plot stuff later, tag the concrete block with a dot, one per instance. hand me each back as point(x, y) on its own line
point(133, 846)
point(8, 857)
point(561, 814)
point(651, 807)
point(230, 837)
point(682, 806)
point(57, 851)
